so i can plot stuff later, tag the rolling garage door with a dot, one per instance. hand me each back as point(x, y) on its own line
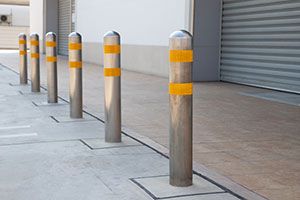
point(64, 25)
point(261, 43)
point(73, 16)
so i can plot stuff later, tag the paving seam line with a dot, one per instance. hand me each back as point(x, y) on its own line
point(143, 188)
point(192, 195)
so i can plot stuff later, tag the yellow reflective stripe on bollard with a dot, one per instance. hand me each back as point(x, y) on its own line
point(34, 43)
point(23, 52)
point(50, 44)
point(112, 49)
point(51, 59)
point(34, 55)
point(112, 72)
point(75, 46)
point(181, 55)
point(22, 41)
point(180, 88)
point(75, 64)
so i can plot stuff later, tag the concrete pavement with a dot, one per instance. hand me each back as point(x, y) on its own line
point(250, 140)
point(46, 155)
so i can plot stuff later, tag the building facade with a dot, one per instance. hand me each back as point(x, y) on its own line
point(14, 19)
point(253, 42)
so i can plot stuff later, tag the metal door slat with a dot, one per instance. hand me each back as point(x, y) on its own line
point(261, 43)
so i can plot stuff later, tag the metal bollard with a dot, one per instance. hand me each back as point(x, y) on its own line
point(75, 65)
point(112, 87)
point(35, 62)
point(51, 59)
point(181, 113)
point(23, 58)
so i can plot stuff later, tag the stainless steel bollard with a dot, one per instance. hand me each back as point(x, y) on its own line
point(23, 58)
point(75, 65)
point(112, 87)
point(35, 62)
point(181, 113)
point(51, 59)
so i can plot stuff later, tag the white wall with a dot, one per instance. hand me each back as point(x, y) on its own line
point(9, 36)
point(140, 22)
point(20, 14)
point(37, 19)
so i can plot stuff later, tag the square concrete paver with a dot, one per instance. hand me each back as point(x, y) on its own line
point(66, 119)
point(32, 93)
point(100, 143)
point(46, 104)
point(158, 187)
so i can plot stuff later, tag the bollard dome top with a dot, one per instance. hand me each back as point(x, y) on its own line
point(22, 35)
point(111, 34)
point(181, 34)
point(34, 35)
point(50, 34)
point(74, 34)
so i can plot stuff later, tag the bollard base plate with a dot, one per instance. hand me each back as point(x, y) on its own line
point(101, 144)
point(45, 103)
point(66, 119)
point(158, 187)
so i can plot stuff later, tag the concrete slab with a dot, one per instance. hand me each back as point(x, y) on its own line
point(19, 85)
point(28, 92)
point(46, 104)
point(11, 93)
point(159, 188)
point(61, 170)
point(60, 109)
point(48, 130)
point(101, 144)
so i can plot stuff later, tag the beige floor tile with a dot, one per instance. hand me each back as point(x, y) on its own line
point(214, 158)
point(256, 155)
point(237, 168)
point(290, 179)
point(281, 194)
point(284, 165)
point(259, 181)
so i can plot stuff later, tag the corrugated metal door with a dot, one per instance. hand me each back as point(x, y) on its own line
point(261, 43)
point(73, 16)
point(64, 25)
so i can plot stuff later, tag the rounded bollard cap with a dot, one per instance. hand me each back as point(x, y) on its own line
point(74, 34)
point(111, 34)
point(181, 40)
point(111, 38)
point(74, 37)
point(50, 36)
point(34, 36)
point(181, 34)
point(22, 36)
